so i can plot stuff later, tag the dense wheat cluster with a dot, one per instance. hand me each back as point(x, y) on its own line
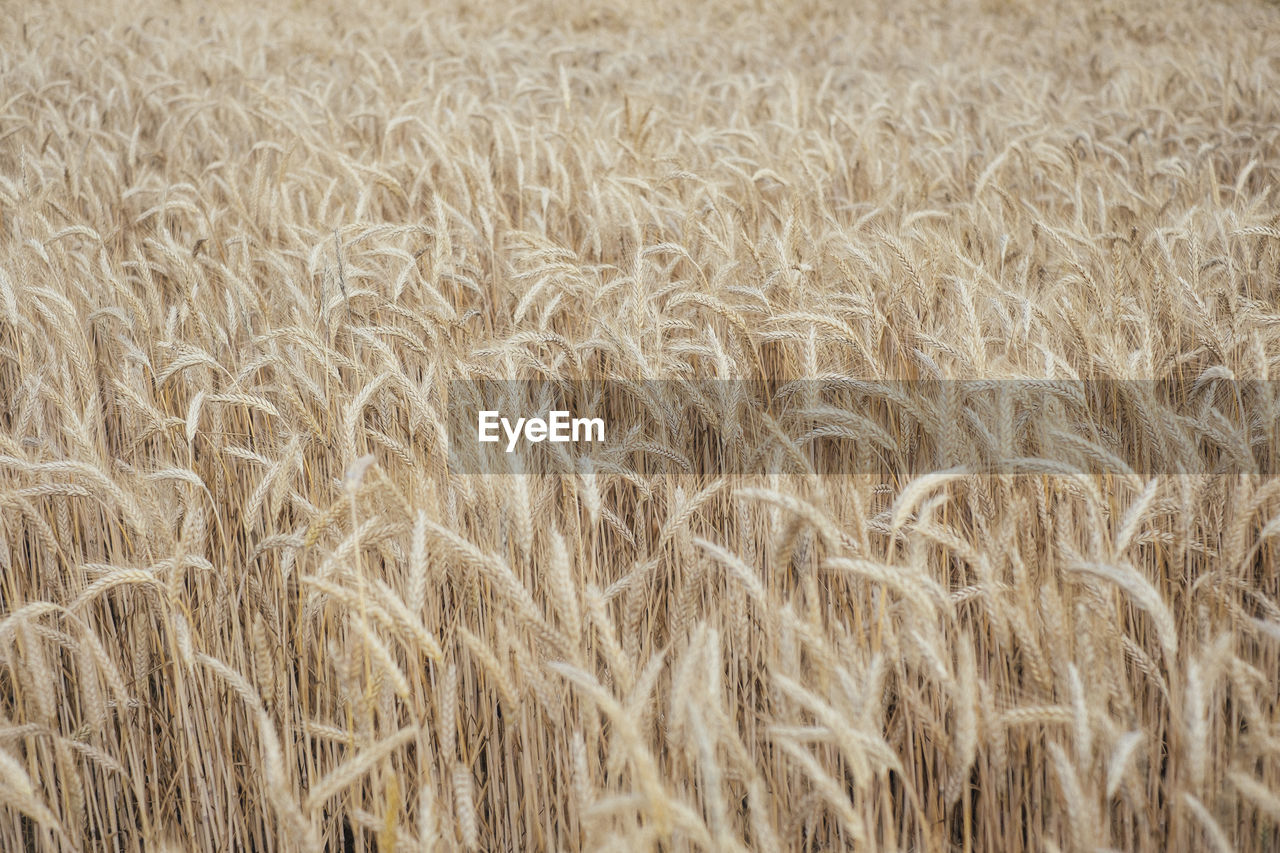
point(247, 604)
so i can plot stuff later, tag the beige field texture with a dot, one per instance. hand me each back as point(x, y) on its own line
point(246, 605)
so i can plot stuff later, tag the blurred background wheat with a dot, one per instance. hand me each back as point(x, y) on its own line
point(246, 605)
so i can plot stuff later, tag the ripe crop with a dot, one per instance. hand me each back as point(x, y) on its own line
point(247, 603)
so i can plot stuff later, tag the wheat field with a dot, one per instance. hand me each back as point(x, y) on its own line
point(248, 604)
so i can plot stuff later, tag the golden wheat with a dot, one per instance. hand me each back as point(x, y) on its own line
point(248, 600)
